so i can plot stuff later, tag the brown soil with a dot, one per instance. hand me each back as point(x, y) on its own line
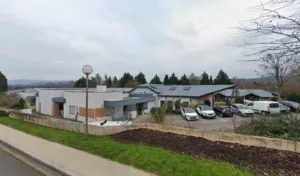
point(257, 159)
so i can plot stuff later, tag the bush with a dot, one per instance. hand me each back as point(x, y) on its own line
point(20, 105)
point(277, 126)
point(169, 106)
point(193, 106)
point(239, 100)
point(207, 102)
point(158, 114)
point(220, 103)
point(274, 99)
point(177, 104)
point(294, 97)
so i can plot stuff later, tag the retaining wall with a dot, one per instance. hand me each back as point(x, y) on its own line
point(257, 141)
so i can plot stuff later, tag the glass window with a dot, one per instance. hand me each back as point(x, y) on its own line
point(145, 105)
point(72, 109)
point(274, 105)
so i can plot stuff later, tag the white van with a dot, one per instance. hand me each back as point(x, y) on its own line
point(265, 107)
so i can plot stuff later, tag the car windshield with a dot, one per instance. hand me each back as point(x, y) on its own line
point(242, 107)
point(206, 108)
point(189, 110)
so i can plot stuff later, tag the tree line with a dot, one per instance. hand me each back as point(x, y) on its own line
point(127, 80)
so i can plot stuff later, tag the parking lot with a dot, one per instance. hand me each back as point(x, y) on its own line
point(219, 123)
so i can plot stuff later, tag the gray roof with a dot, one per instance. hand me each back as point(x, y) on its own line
point(244, 92)
point(125, 90)
point(184, 90)
point(27, 90)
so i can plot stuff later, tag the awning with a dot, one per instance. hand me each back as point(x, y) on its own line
point(30, 97)
point(59, 99)
point(110, 104)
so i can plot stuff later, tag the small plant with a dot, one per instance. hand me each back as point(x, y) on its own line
point(220, 103)
point(207, 102)
point(177, 104)
point(158, 114)
point(274, 98)
point(193, 106)
point(20, 105)
point(239, 100)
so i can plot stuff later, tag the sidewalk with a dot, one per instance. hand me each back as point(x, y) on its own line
point(68, 160)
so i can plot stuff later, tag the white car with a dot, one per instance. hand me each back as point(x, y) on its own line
point(189, 114)
point(265, 107)
point(206, 111)
point(242, 110)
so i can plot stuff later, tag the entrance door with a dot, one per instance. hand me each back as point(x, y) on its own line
point(139, 108)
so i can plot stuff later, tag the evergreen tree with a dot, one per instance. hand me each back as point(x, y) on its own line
point(115, 80)
point(184, 80)
point(222, 78)
point(173, 80)
point(98, 79)
point(193, 79)
point(81, 82)
point(205, 79)
point(211, 80)
point(140, 78)
point(3, 83)
point(166, 80)
point(123, 82)
point(105, 79)
point(109, 82)
point(155, 80)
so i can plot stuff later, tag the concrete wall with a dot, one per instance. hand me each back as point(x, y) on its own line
point(272, 143)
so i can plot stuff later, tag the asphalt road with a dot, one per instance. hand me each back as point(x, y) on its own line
point(11, 166)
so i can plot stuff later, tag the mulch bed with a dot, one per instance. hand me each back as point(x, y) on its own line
point(257, 159)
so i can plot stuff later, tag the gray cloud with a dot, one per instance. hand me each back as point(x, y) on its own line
point(53, 39)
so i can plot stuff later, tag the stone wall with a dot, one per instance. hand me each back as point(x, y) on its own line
point(257, 141)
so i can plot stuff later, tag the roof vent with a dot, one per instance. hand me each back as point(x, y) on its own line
point(187, 88)
point(172, 88)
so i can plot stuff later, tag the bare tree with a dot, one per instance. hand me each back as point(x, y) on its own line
point(278, 67)
point(276, 29)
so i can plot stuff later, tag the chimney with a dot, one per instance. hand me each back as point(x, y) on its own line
point(101, 88)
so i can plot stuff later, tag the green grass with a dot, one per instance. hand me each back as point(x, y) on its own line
point(155, 160)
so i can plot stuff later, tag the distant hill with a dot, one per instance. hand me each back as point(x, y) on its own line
point(25, 82)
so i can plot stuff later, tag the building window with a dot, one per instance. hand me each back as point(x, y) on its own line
point(72, 109)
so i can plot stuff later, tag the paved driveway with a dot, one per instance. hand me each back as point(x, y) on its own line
point(219, 123)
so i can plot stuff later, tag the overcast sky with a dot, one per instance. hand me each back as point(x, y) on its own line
point(53, 39)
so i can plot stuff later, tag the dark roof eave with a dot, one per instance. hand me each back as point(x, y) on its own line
point(143, 87)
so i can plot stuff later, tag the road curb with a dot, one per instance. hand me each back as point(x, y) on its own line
point(60, 169)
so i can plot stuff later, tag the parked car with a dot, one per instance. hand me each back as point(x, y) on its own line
point(284, 108)
point(223, 111)
point(206, 111)
point(242, 110)
point(294, 106)
point(265, 107)
point(189, 114)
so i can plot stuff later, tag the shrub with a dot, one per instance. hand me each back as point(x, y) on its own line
point(20, 105)
point(177, 104)
point(274, 99)
point(169, 106)
point(158, 114)
point(239, 100)
point(193, 106)
point(294, 97)
point(207, 102)
point(220, 103)
point(285, 126)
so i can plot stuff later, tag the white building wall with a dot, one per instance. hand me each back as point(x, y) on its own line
point(45, 98)
point(96, 100)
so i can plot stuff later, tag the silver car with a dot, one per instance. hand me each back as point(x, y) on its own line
point(242, 110)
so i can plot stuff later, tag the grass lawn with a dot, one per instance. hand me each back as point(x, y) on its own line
point(155, 160)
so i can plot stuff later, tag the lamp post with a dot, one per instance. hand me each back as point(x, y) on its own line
point(87, 70)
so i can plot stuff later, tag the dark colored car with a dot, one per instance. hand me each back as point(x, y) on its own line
point(294, 107)
point(223, 111)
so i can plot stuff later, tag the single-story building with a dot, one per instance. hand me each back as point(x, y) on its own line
point(248, 94)
point(102, 102)
point(187, 94)
point(28, 94)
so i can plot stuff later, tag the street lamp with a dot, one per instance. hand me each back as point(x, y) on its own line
point(87, 70)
